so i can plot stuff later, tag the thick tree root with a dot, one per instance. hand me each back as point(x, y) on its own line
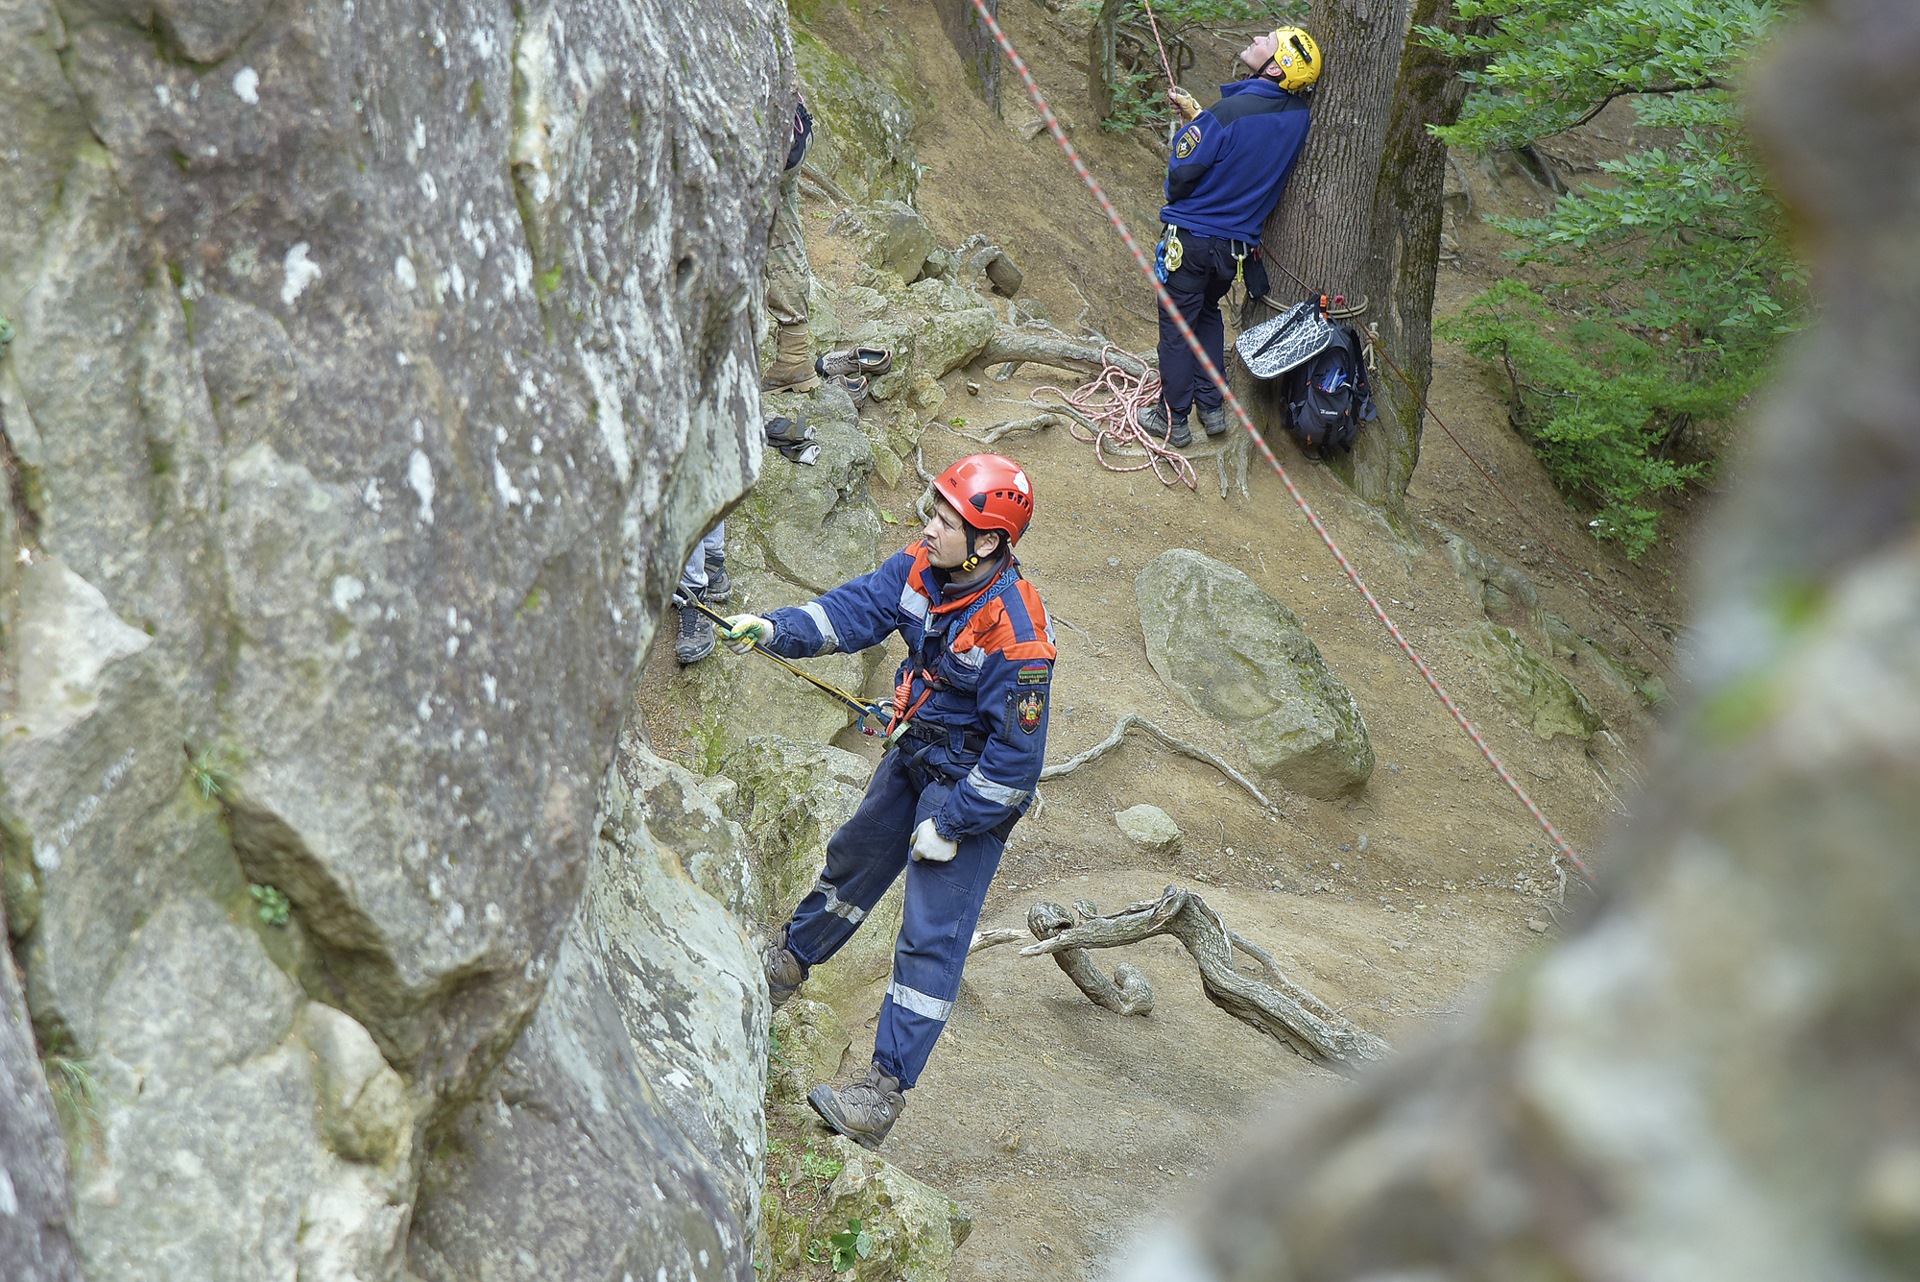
point(1017, 346)
point(1281, 1009)
point(1128, 722)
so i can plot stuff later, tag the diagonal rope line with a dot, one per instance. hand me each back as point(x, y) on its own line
point(1253, 434)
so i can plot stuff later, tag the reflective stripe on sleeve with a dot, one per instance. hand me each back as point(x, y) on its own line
point(829, 639)
point(912, 603)
point(998, 793)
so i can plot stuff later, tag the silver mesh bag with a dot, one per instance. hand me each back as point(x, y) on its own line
point(1273, 347)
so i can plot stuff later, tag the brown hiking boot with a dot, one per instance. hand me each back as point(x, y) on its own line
point(792, 368)
point(865, 1110)
point(785, 974)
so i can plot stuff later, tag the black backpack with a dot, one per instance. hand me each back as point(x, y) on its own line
point(1327, 396)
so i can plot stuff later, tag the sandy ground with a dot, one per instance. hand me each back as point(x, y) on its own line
point(1062, 1125)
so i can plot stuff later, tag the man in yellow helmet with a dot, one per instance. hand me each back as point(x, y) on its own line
point(1229, 165)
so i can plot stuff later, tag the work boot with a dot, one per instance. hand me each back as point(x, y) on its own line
point(695, 641)
point(719, 589)
point(863, 1112)
point(1153, 421)
point(785, 974)
point(792, 368)
point(1214, 420)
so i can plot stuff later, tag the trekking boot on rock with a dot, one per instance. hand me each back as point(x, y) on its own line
point(1153, 421)
point(719, 589)
point(695, 641)
point(785, 974)
point(1214, 420)
point(792, 368)
point(864, 1111)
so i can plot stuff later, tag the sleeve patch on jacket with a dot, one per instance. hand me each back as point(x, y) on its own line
point(1028, 709)
point(1033, 674)
point(1188, 141)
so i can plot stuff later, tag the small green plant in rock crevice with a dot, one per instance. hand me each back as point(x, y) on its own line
point(850, 1247)
point(212, 769)
point(74, 1083)
point(273, 906)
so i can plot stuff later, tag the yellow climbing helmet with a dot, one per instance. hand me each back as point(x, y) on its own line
point(1298, 57)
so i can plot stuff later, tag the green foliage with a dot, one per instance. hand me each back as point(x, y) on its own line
point(1599, 404)
point(274, 908)
point(211, 770)
point(1684, 276)
point(850, 1247)
point(74, 1083)
point(1139, 78)
point(818, 1166)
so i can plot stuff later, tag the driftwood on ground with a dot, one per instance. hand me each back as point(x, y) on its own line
point(1016, 346)
point(1274, 1005)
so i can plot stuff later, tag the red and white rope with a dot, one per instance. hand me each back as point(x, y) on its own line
point(1246, 423)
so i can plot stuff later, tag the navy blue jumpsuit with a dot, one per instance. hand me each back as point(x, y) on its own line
point(1228, 169)
point(979, 666)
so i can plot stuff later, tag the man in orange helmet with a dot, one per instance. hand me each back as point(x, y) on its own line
point(964, 752)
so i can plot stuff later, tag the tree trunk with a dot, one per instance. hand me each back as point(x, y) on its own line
point(978, 53)
point(1361, 216)
point(1717, 1076)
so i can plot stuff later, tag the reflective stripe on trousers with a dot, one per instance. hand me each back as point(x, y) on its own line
point(942, 908)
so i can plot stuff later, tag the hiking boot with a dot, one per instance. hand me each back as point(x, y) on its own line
point(695, 641)
point(719, 589)
point(864, 1111)
point(785, 974)
point(1153, 421)
point(1214, 420)
point(792, 368)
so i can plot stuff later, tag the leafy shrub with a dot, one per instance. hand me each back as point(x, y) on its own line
point(1600, 405)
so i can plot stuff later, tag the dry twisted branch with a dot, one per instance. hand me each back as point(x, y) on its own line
point(1281, 1010)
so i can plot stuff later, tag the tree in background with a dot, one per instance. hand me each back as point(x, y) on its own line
point(1361, 215)
point(1685, 282)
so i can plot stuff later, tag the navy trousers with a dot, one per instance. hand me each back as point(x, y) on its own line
point(942, 907)
point(1206, 272)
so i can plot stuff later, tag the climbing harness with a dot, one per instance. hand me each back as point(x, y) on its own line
point(876, 711)
point(1246, 423)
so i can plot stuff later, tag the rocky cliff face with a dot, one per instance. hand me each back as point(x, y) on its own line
point(376, 364)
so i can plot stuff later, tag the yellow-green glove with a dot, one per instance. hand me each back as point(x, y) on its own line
point(745, 631)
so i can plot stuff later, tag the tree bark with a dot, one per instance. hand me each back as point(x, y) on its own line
point(974, 43)
point(1716, 1076)
point(1362, 214)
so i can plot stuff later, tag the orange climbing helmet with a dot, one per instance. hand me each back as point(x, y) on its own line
point(990, 493)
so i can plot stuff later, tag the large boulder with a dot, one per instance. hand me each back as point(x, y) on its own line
point(1243, 658)
point(375, 369)
point(803, 530)
point(1528, 683)
point(791, 797)
point(636, 1092)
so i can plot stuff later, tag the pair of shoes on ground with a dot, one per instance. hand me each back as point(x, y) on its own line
point(794, 439)
point(697, 636)
point(864, 362)
point(1154, 421)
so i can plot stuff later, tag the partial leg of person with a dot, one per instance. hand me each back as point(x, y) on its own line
point(695, 641)
point(788, 280)
point(1180, 373)
point(863, 858)
point(713, 559)
point(943, 903)
point(1210, 327)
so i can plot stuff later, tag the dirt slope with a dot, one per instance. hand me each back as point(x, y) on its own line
point(1061, 1125)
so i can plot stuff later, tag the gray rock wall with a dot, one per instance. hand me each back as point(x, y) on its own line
point(376, 365)
point(35, 1238)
